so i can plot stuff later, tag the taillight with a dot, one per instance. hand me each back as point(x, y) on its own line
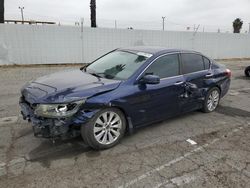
point(229, 73)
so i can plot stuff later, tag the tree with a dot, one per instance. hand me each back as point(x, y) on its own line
point(237, 25)
point(1, 11)
point(93, 13)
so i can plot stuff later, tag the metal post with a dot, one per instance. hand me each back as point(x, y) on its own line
point(2, 11)
point(21, 8)
point(163, 22)
point(82, 57)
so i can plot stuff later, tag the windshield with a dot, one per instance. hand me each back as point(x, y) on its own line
point(119, 65)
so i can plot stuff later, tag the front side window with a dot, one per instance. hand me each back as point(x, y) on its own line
point(119, 65)
point(166, 66)
point(192, 63)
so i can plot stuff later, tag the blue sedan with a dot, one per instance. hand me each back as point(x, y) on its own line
point(120, 91)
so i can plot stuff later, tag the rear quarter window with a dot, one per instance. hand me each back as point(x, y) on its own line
point(206, 63)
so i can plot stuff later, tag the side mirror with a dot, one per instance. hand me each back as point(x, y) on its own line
point(150, 79)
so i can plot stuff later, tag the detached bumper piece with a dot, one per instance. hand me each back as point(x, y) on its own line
point(50, 128)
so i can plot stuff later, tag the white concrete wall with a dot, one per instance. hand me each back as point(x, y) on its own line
point(31, 44)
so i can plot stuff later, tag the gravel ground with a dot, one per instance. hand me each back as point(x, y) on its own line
point(155, 156)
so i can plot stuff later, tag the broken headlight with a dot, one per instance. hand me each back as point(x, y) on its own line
point(58, 110)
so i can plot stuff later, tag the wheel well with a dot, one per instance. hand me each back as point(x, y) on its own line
point(129, 125)
point(218, 88)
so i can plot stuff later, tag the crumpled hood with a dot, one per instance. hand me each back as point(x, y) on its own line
point(66, 86)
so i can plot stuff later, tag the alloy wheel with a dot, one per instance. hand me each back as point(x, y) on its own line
point(213, 100)
point(107, 128)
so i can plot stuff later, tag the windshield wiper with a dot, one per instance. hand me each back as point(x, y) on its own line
point(89, 71)
point(84, 67)
point(95, 74)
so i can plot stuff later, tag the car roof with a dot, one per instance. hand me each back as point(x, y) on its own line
point(155, 49)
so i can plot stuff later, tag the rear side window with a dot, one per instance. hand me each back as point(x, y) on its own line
point(215, 66)
point(206, 63)
point(166, 66)
point(192, 63)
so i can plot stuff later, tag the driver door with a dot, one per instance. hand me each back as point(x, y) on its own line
point(161, 100)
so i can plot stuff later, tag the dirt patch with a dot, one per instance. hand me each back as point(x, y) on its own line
point(203, 138)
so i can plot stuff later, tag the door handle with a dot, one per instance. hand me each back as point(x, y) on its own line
point(178, 83)
point(209, 75)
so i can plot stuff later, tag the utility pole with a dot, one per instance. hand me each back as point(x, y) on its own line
point(82, 21)
point(163, 22)
point(93, 13)
point(21, 8)
point(195, 32)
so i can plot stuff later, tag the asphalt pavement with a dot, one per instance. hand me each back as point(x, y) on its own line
point(192, 150)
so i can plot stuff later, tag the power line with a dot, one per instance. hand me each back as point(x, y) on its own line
point(136, 24)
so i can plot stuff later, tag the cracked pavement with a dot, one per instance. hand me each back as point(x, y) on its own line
point(154, 156)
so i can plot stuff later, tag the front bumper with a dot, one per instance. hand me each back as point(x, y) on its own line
point(55, 127)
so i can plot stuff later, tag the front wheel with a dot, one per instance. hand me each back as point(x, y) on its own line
point(247, 71)
point(211, 100)
point(105, 129)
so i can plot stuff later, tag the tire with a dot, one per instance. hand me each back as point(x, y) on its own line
point(105, 129)
point(247, 71)
point(212, 100)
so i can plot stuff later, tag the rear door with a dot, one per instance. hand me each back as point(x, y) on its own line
point(196, 71)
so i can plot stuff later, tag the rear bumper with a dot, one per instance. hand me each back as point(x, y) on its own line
point(225, 87)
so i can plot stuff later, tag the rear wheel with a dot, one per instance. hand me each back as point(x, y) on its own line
point(247, 71)
point(105, 129)
point(212, 100)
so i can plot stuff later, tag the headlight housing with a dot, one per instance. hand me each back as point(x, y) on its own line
point(58, 110)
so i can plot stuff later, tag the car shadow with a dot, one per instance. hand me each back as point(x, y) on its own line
point(233, 112)
point(48, 151)
point(242, 78)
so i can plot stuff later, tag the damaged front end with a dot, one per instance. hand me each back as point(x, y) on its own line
point(57, 120)
point(57, 106)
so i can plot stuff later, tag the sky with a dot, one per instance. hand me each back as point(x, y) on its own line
point(209, 15)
